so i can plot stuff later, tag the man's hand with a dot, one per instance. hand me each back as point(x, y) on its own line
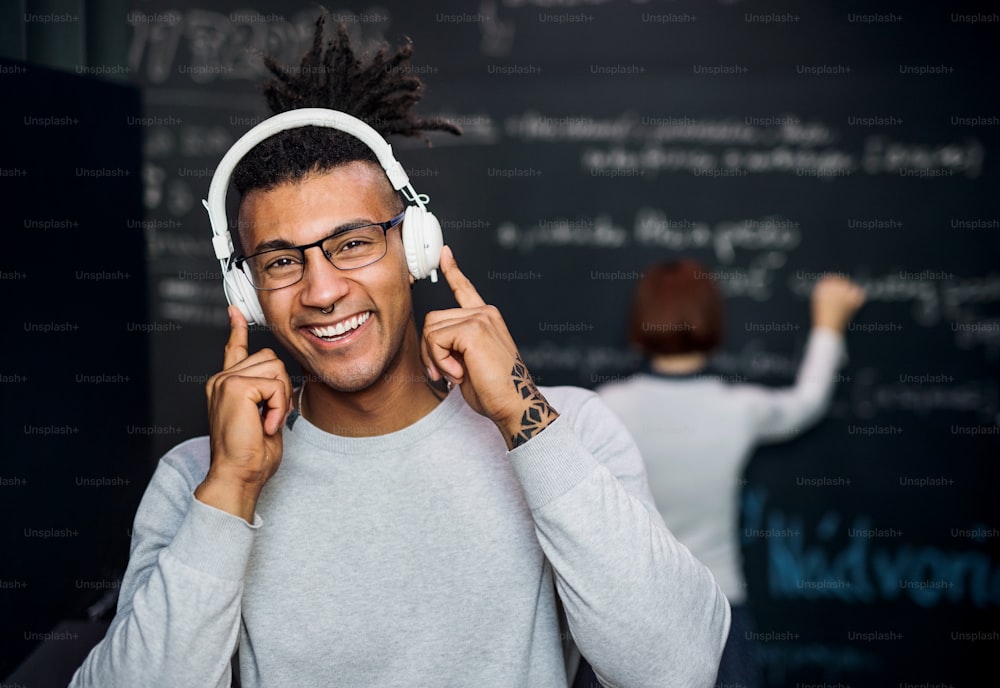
point(835, 300)
point(247, 405)
point(471, 347)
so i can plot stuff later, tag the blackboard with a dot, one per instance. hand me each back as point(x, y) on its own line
point(774, 143)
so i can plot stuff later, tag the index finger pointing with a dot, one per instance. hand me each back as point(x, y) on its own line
point(236, 346)
point(461, 287)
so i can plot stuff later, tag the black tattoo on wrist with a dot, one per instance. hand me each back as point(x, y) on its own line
point(538, 414)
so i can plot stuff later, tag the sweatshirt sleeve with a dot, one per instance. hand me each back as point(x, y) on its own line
point(640, 607)
point(178, 612)
point(782, 413)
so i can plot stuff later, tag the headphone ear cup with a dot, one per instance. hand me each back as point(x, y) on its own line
point(240, 293)
point(422, 241)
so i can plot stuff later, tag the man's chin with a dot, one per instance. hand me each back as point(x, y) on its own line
point(346, 384)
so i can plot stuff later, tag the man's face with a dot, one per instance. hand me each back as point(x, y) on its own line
point(375, 299)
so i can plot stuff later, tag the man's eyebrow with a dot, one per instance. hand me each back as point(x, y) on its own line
point(273, 244)
point(270, 245)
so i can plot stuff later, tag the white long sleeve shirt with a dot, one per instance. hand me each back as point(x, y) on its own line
point(696, 434)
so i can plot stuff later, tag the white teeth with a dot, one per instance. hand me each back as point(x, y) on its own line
point(341, 327)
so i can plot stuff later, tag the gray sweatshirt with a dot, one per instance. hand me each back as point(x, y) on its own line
point(428, 556)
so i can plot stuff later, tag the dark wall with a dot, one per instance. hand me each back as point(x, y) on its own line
point(75, 375)
point(772, 141)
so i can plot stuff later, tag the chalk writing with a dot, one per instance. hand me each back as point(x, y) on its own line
point(600, 232)
point(586, 360)
point(883, 155)
point(871, 396)
point(753, 361)
point(815, 563)
point(204, 46)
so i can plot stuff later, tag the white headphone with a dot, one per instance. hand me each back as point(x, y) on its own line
point(422, 240)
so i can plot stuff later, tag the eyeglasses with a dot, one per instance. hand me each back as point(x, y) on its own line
point(349, 248)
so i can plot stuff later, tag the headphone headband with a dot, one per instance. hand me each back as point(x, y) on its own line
point(303, 117)
point(421, 233)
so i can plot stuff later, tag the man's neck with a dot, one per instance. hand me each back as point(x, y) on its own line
point(401, 397)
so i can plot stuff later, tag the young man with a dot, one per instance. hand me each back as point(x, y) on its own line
point(411, 536)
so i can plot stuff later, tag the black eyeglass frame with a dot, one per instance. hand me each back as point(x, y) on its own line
point(240, 262)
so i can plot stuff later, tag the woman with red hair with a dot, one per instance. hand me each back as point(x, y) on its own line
point(696, 432)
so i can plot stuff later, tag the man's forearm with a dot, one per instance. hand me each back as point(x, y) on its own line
point(641, 608)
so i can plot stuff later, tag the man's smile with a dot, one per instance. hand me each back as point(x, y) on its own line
point(339, 330)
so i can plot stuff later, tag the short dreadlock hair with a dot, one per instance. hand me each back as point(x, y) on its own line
point(381, 92)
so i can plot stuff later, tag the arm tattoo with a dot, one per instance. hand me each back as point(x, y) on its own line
point(538, 414)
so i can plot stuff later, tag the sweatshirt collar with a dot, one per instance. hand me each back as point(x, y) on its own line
point(299, 429)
